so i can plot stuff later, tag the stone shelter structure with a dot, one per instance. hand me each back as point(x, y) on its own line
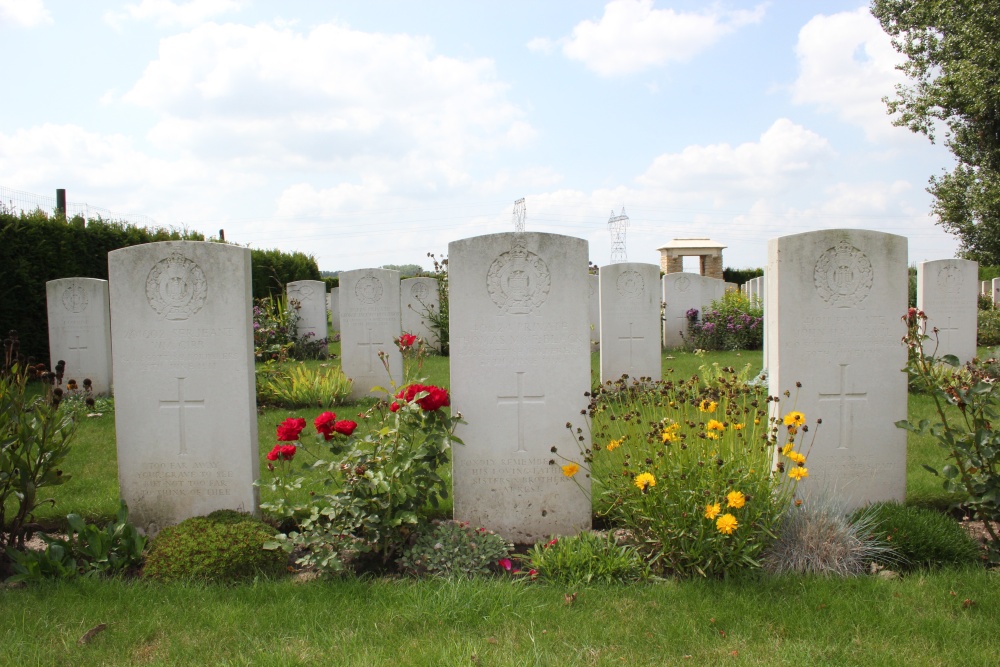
point(710, 253)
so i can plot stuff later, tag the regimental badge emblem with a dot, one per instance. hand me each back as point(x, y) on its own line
point(630, 285)
point(518, 280)
point(682, 284)
point(843, 276)
point(301, 292)
point(176, 287)
point(74, 298)
point(368, 289)
point(419, 291)
point(949, 278)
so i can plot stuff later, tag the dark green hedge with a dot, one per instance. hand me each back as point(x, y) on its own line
point(740, 276)
point(36, 247)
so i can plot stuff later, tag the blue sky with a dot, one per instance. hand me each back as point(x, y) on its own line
point(369, 133)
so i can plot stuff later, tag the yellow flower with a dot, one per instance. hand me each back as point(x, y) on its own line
point(712, 436)
point(670, 433)
point(798, 472)
point(756, 421)
point(615, 444)
point(727, 523)
point(795, 419)
point(644, 481)
point(735, 499)
point(708, 406)
point(570, 469)
point(715, 425)
point(738, 427)
point(796, 457)
point(712, 510)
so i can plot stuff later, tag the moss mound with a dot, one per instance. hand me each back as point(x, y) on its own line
point(223, 547)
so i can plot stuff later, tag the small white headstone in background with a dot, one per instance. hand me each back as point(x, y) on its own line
point(418, 298)
point(594, 290)
point(370, 323)
point(80, 330)
point(630, 321)
point(995, 286)
point(333, 305)
point(311, 298)
point(732, 287)
point(185, 399)
point(835, 298)
point(985, 287)
point(520, 366)
point(681, 293)
point(947, 293)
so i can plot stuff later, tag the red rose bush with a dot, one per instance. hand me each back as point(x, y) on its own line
point(373, 485)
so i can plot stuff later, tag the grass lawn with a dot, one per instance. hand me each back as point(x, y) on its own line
point(947, 617)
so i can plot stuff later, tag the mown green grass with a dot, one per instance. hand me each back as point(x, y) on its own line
point(919, 620)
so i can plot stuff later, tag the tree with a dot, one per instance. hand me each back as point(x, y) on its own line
point(953, 63)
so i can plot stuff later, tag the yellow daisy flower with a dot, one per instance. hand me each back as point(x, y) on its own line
point(570, 469)
point(798, 472)
point(796, 457)
point(712, 510)
point(795, 419)
point(644, 481)
point(670, 433)
point(727, 523)
point(708, 406)
point(712, 435)
point(738, 427)
point(715, 425)
point(615, 444)
point(735, 499)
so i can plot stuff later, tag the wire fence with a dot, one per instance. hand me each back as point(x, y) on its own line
point(18, 201)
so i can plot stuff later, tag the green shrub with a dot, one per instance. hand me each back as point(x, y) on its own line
point(302, 387)
point(35, 438)
point(223, 547)
point(454, 549)
point(734, 322)
point(819, 537)
point(922, 537)
point(585, 559)
point(989, 327)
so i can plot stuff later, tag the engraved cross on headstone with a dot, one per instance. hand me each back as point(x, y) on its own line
point(844, 397)
point(79, 359)
point(370, 348)
point(519, 400)
point(945, 332)
point(181, 404)
point(630, 338)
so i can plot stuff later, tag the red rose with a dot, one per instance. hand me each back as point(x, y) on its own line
point(407, 340)
point(394, 407)
point(325, 424)
point(345, 427)
point(287, 452)
point(436, 396)
point(289, 429)
point(274, 453)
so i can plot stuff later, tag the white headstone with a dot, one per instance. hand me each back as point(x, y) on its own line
point(681, 293)
point(985, 287)
point(370, 322)
point(594, 301)
point(185, 401)
point(995, 286)
point(732, 287)
point(947, 293)
point(520, 366)
point(835, 298)
point(333, 305)
point(630, 321)
point(80, 330)
point(418, 298)
point(310, 295)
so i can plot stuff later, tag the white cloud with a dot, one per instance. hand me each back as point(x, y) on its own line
point(24, 13)
point(846, 66)
point(633, 36)
point(785, 154)
point(168, 13)
point(541, 45)
point(325, 98)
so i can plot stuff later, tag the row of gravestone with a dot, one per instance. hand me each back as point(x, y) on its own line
point(182, 353)
point(991, 289)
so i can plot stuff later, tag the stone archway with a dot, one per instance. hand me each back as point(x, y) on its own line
point(709, 253)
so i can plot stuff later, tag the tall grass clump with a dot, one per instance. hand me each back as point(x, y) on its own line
point(922, 537)
point(819, 536)
point(688, 469)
